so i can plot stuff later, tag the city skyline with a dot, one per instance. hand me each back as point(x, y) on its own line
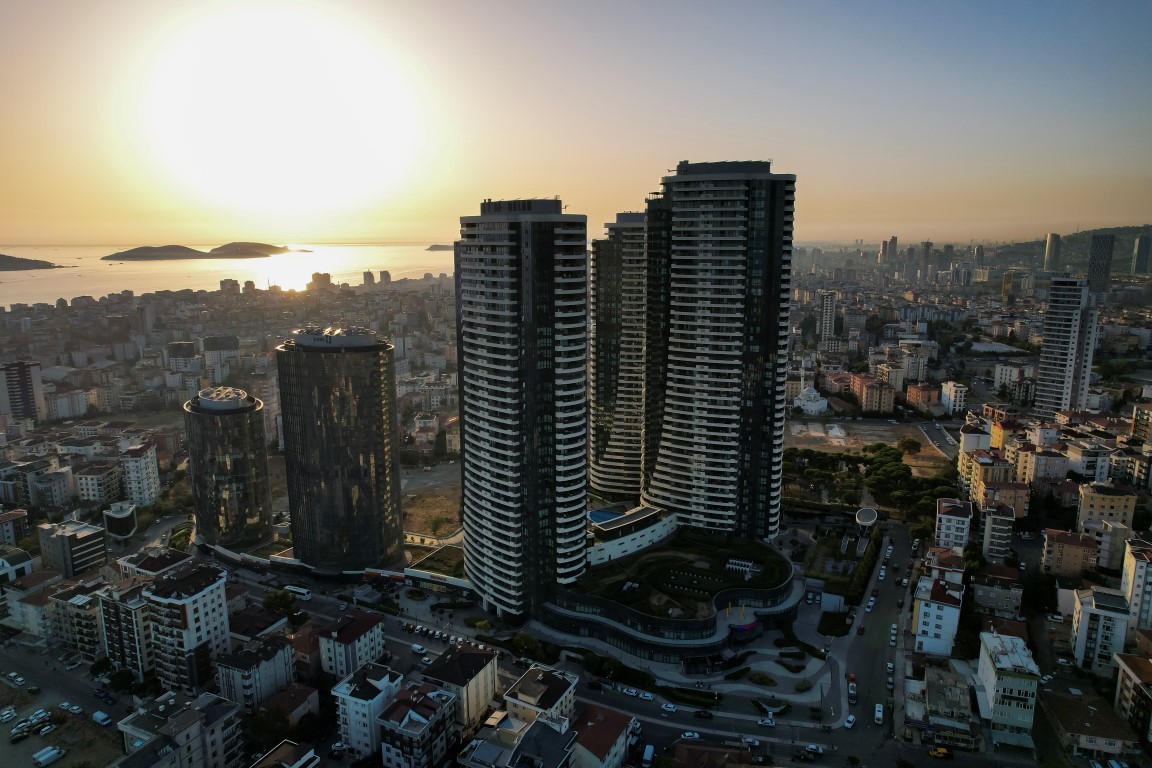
point(310, 122)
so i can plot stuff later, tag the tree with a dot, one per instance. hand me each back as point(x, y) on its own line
point(909, 445)
point(267, 729)
point(280, 601)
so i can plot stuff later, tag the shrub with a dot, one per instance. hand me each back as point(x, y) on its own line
point(759, 678)
point(737, 673)
point(802, 686)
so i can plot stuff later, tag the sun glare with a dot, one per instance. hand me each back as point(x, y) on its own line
point(277, 108)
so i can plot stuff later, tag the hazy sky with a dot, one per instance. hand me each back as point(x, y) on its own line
point(155, 121)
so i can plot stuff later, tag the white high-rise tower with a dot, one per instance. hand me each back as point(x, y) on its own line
point(1070, 331)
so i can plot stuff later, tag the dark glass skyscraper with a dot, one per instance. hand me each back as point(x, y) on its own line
point(522, 327)
point(1100, 264)
point(726, 241)
point(337, 396)
point(228, 467)
point(1140, 251)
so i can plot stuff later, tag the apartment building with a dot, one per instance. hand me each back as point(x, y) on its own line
point(354, 639)
point(1133, 699)
point(180, 731)
point(1015, 496)
point(72, 547)
point(255, 672)
point(953, 397)
point(953, 522)
point(141, 474)
point(126, 637)
point(415, 727)
point(1099, 627)
point(1008, 678)
point(1067, 553)
point(510, 743)
point(471, 676)
point(189, 623)
point(997, 590)
point(1105, 501)
point(543, 693)
point(997, 536)
point(360, 699)
point(76, 618)
point(936, 615)
point(13, 526)
point(1136, 580)
point(975, 469)
point(602, 737)
point(1111, 538)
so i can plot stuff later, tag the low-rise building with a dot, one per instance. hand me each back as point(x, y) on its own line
point(472, 676)
point(152, 562)
point(1006, 694)
point(1067, 553)
point(354, 639)
point(415, 727)
point(1099, 627)
point(294, 702)
point(360, 698)
point(505, 742)
point(997, 538)
point(1086, 726)
point(936, 615)
point(543, 693)
point(942, 564)
point(289, 754)
point(602, 737)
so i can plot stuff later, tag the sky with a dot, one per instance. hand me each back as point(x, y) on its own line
point(144, 122)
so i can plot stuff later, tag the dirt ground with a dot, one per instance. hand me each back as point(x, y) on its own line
point(858, 435)
point(432, 511)
point(84, 741)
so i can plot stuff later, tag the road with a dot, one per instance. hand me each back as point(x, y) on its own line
point(940, 438)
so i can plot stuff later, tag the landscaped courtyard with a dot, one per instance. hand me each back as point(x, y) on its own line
point(679, 578)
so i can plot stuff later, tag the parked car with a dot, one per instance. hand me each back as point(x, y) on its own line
point(890, 667)
point(940, 752)
point(46, 730)
point(631, 692)
point(645, 696)
point(73, 665)
point(814, 749)
point(703, 714)
point(595, 685)
point(689, 735)
point(749, 741)
point(7, 716)
point(426, 661)
point(76, 709)
point(850, 722)
point(343, 606)
point(1065, 662)
point(767, 722)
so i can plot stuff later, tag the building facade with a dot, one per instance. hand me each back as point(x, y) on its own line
point(228, 467)
point(617, 282)
point(189, 624)
point(1070, 331)
point(1006, 695)
point(522, 339)
point(22, 391)
point(72, 547)
point(360, 698)
point(1136, 580)
point(1100, 263)
point(953, 522)
point(252, 674)
point(141, 474)
point(354, 639)
point(1099, 627)
point(718, 461)
point(337, 396)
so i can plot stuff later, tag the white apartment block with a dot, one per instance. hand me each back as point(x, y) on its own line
point(141, 474)
point(1007, 692)
point(252, 674)
point(936, 615)
point(189, 615)
point(415, 727)
point(953, 522)
point(351, 641)
point(360, 698)
point(1136, 581)
point(953, 397)
point(177, 731)
point(1099, 628)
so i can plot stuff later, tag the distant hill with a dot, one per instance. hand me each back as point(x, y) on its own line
point(172, 252)
point(1074, 249)
point(14, 263)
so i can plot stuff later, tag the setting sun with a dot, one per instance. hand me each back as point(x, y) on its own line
point(274, 108)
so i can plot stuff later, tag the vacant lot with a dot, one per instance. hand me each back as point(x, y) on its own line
point(432, 511)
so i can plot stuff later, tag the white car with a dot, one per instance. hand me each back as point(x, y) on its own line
point(417, 648)
point(851, 721)
point(668, 707)
point(76, 709)
point(767, 722)
point(7, 716)
point(750, 741)
point(18, 680)
point(645, 696)
point(631, 692)
point(426, 661)
point(890, 667)
point(871, 604)
point(1046, 679)
point(893, 630)
point(814, 749)
point(1064, 662)
point(689, 735)
point(46, 730)
point(892, 641)
point(883, 573)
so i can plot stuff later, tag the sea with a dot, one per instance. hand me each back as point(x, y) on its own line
point(83, 273)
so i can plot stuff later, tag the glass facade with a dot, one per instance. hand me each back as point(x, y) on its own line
point(337, 397)
point(228, 467)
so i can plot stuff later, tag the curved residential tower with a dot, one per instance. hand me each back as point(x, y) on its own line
point(522, 315)
point(337, 396)
point(719, 455)
point(228, 467)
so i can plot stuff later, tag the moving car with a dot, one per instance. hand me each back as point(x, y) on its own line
point(689, 735)
point(631, 692)
point(751, 742)
point(645, 696)
point(417, 648)
point(767, 722)
point(814, 749)
point(940, 752)
point(1046, 679)
point(851, 721)
point(426, 661)
point(668, 707)
point(890, 667)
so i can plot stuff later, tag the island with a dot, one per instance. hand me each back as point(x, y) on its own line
point(15, 263)
point(439, 247)
point(226, 251)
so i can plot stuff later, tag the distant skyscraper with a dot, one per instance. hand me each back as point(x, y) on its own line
point(1140, 252)
point(979, 255)
point(522, 338)
point(1070, 330)
point(337, 396)
point(617, 280)
point(1100, 263)
point(22, 391)
point(228, 467)
point(925, 258)
point(827, 315)
point(1052, 253)
point(727, 231)
point(893, 248)
point(369, 277)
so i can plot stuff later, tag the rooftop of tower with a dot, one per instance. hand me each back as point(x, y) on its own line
point(333, 337)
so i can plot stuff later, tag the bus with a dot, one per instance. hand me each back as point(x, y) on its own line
point(301, 592)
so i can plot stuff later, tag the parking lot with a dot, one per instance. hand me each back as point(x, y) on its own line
point(83, 739)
